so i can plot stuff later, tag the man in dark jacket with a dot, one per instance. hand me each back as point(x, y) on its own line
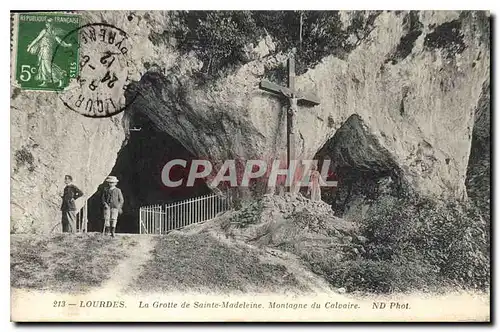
point(112, 201)
point(68, 207)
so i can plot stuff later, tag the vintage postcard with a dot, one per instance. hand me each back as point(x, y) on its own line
point(285, 166)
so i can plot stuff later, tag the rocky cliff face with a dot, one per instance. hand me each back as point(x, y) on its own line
point(48, 142)
point(413, 81)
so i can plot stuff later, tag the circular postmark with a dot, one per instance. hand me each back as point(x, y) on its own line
point(99, 84)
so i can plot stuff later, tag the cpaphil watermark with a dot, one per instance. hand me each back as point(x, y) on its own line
point(231, 172)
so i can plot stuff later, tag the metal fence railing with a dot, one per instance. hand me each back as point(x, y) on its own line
point(82, 219)
point(160, 219)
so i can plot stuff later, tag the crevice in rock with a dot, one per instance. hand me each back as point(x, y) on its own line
point(413, 29)
point(478, 180)
point(447, 37)
point(402, 104)
point(363, 168)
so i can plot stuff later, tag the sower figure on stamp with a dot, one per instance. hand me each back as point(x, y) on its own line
point(68, 206)
point(112, 201)
point(43, 47)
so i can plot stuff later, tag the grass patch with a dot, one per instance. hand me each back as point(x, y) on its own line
point(64, 262)
point(201, 263)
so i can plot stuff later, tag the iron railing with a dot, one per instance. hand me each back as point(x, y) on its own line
point(82, 219)
point(160, 219)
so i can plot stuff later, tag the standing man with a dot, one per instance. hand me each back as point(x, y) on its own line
point(68, 206)
point(112, 201)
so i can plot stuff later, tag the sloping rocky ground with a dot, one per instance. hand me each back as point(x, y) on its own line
point(293, 224)
point(399, 244)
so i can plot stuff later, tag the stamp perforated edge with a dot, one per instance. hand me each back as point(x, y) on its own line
point(14, 34)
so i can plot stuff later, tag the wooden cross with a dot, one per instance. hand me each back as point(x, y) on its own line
point(293, 97)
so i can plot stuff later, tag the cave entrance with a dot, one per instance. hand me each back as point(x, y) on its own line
point(363, 168)
point(138, 167)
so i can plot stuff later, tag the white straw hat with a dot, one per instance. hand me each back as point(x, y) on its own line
point(111, 179)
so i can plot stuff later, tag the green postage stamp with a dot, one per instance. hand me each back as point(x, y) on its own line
point(47, 53)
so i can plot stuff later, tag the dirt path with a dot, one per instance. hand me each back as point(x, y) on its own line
point(317, 284)
point(130, 267)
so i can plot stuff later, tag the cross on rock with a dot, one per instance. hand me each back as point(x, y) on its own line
point(293, 96)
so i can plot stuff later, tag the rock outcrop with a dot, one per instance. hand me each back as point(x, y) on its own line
point(413, 79)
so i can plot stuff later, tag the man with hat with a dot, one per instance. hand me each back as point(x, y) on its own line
point(112, 201)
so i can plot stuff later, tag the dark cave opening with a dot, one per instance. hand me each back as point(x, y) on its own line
point(138, 167)
point(363, 168)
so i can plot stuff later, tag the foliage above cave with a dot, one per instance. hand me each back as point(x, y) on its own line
point(218, 38)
